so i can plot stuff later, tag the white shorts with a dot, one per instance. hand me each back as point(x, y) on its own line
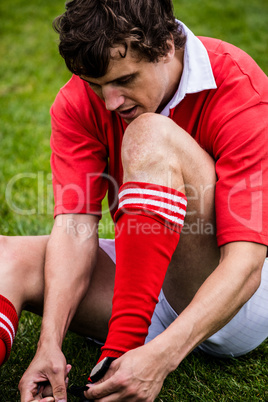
point(247, 330)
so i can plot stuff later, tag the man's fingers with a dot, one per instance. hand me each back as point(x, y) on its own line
point(47, 391)
point(58, 385)
point(59, 392)
point(68, 368)
point(97, 391)
point(44, 391)
point(27, 393)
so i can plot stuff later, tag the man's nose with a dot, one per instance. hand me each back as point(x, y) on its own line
point(113, 98)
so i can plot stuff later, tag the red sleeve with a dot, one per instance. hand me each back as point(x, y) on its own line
point(241, 197)
point(79, 153)
point(235, 133)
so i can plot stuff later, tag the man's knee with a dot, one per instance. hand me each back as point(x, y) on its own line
point(148, 152)
point(155, 149)
point(21, 267)
point(11, 269)
point(9, 256)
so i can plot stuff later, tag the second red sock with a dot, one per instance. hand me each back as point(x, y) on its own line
point(8, 326)
point(148, 225)
point(3, 351)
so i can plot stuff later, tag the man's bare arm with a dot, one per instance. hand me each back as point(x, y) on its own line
point(225, 291)
point(143, 370)
point(70, 259)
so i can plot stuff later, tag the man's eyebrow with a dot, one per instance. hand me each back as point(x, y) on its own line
point(122, 77)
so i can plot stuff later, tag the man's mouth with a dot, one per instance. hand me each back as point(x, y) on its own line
point(128, 114)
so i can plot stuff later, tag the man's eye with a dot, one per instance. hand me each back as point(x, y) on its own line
point(125, 81)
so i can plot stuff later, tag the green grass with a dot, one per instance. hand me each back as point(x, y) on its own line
point(31, 74)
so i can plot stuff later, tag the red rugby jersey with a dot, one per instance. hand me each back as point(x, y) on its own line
point(229, 122)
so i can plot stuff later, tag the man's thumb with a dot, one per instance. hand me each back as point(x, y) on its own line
point(59, 392)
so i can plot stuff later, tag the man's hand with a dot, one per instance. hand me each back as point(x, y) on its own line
point(136, 376)
point(70, 260)
point(48, 367)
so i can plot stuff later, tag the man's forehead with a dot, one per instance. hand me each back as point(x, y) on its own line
point(123, 62)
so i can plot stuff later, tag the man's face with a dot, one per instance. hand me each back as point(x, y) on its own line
point(133, 86)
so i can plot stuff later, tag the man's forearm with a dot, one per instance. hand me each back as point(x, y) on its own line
point(70, 260)
point(220, 297)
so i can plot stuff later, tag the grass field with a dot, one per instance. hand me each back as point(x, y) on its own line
point(31, 73)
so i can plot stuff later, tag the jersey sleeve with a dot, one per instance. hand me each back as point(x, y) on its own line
point(237, 131)
point(241, 197)
point(79, 156)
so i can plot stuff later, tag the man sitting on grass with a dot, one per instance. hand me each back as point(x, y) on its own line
point(175, 128)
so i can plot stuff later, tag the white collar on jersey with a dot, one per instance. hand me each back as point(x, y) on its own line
point(197, 73)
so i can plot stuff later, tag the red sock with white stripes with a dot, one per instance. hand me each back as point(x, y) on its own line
point(8, 328)
point(148, 225)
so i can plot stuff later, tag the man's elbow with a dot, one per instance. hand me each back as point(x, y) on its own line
point(248, 258)
point(255, 266)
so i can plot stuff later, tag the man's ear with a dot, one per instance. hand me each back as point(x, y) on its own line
point(171, 51)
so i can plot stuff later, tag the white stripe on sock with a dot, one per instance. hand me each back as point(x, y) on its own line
point(171, 218)
point(7, 330)
point(161, 194)
point(7, 320)
point(160, 204)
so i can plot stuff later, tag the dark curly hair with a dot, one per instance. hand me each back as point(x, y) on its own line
point(89, 28)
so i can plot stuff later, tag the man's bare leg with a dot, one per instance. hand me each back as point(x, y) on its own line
point(156, 150)
point(22, 283)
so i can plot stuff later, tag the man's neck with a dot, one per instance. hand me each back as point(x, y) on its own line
point(175, 69)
